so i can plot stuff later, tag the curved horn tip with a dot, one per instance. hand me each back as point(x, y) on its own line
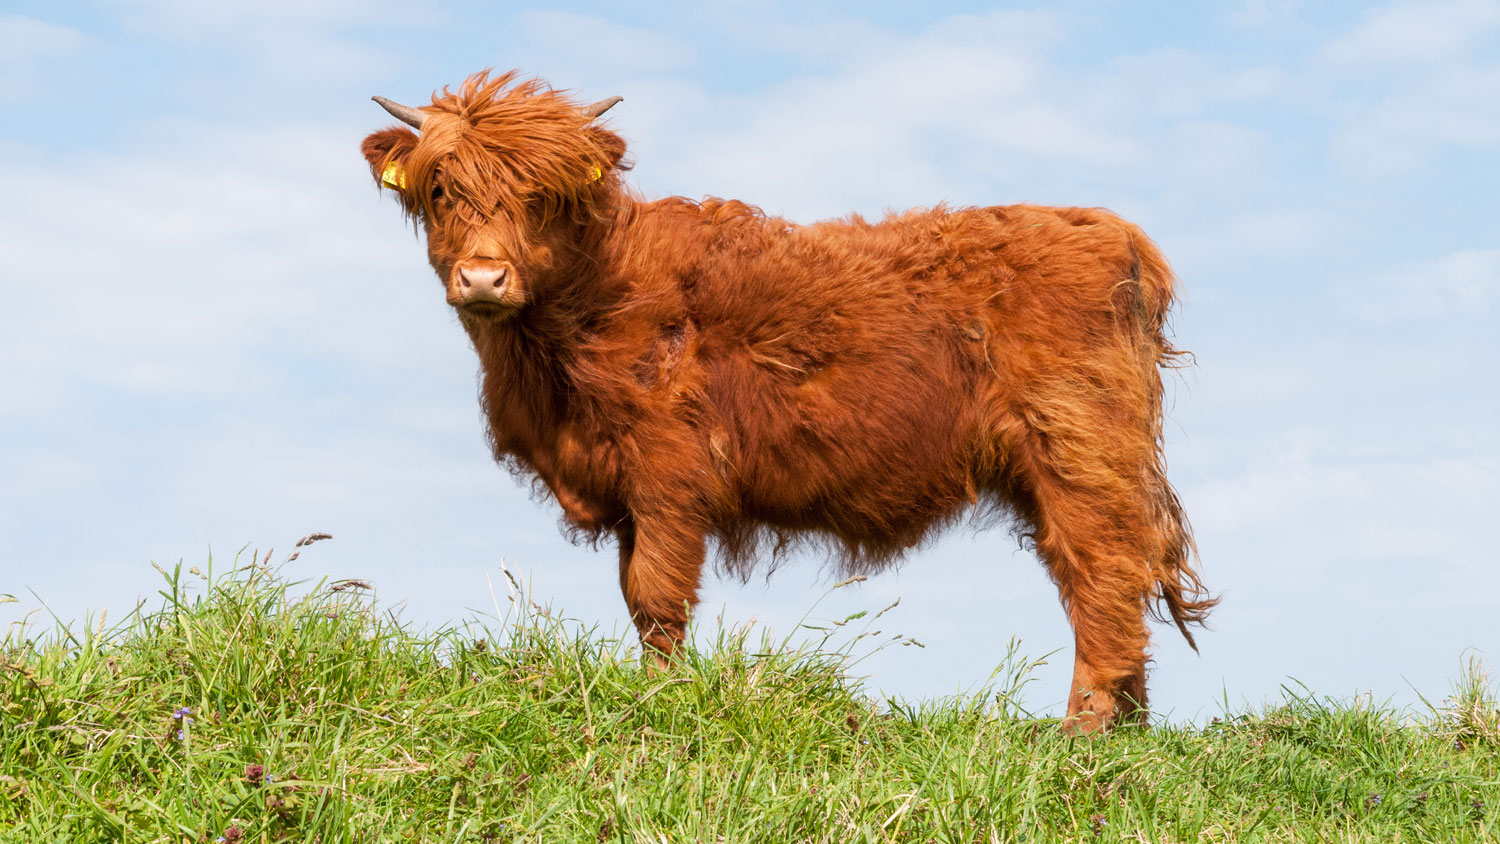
point(602, 106)
point(406, 114)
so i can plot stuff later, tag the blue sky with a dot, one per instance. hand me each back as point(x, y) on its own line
point(216, 333)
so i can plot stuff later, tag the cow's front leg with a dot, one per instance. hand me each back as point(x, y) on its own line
point(661, 559)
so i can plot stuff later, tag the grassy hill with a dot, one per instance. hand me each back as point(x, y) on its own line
point(244, 709)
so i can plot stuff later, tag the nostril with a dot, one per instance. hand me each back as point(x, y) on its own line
point(476, 277)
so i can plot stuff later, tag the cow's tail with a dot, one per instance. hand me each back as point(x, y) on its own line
point(1179, 593)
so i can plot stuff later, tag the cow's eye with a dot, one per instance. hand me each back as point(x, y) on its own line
point(437, 192)
point(537, 207)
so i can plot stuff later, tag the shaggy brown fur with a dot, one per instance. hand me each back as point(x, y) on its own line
point(679, 372)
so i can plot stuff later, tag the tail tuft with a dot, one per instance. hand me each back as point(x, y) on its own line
point(1179, 594)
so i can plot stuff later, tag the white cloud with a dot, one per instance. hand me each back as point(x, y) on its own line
point(1256, 13)
point(1413, 32)
point(285, 40)
point(189, 265)
point(942, 114)
point(968, 110)
point(1240, 234)
point(1175, 83)
point(1451, 106)
point(188, 19)
point(1217, 153)
point(1319, 500)
point(1459, 285)
point(816, 35)
point(26, 45)
point(1408, 81)
point(593, 45)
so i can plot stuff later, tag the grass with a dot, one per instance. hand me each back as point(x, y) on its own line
point(248, 709)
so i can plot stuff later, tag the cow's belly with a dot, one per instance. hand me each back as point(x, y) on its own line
point(876, 453)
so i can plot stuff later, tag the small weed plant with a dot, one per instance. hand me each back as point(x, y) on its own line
point(247, 708)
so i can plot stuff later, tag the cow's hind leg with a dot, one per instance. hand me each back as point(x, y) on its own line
point(1094, 554)
point(1096, 529)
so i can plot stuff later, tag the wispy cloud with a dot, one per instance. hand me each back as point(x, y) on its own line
point(26, 46)
point(915, 119)
point(593, 45)
point(1423, 84)
point(1403, 33)
point(185, 19)
point(211, 252)
point(1461, 285)
point(1254, 13)
point(281, 39)
point(1315, 502)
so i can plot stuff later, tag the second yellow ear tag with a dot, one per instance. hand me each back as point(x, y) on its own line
point(596, 173)
point(393, 176)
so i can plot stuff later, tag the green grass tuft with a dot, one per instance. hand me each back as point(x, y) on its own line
point(241, 710)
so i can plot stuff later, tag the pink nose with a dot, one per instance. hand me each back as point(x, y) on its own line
point(474, 277)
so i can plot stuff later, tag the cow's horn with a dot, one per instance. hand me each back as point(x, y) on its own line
point(405, 114)
point(602, 106)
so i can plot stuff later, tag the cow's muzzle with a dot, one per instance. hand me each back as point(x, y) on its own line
point(486, 289)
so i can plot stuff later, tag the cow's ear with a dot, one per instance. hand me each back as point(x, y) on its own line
point(612, 146)
point(386, 148)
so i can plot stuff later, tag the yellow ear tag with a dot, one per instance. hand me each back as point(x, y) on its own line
point(596, 173)
point(393, 176)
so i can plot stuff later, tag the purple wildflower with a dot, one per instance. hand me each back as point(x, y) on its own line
point(185, 715)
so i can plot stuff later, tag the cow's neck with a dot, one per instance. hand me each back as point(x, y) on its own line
point(527, 389)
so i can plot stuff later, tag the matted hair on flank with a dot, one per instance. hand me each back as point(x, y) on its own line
point(507, 146)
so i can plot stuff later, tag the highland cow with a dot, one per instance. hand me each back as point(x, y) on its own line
point(691, 375)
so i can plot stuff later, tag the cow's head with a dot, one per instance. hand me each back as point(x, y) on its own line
point(504, 177)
